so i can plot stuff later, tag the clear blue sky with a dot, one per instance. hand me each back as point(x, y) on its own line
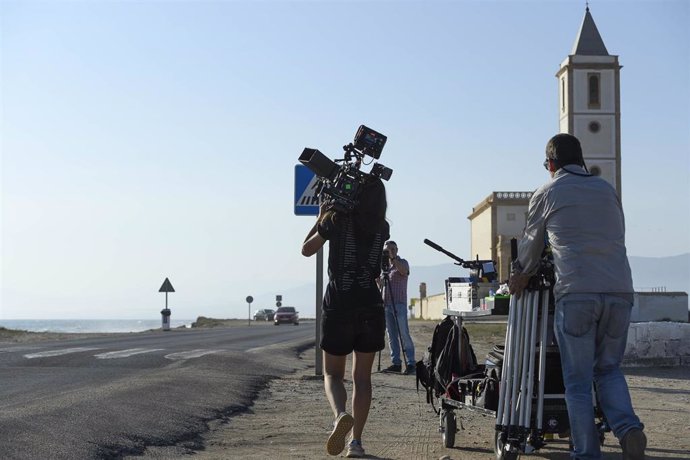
point(149, 139)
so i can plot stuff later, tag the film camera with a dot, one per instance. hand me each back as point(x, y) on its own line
point(385, 261)
point(339, 185)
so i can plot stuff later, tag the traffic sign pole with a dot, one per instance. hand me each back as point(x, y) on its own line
point(318, 364)
point(165, 313)
point(249, 300)
point(307, 204)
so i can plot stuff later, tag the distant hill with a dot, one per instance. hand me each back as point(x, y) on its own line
point(673, 273)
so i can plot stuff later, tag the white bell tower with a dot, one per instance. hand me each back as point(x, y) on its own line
point(589, 102)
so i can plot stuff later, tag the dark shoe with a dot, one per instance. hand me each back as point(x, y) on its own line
point(634, 443)
point(393, 368)
point(410, 370)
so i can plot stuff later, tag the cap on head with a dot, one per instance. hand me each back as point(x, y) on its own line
point(564, 149)
point(391, 242)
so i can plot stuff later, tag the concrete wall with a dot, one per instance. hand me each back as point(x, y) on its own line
point(481, 235)
point(660, 306)
point(648, 306)
point(658, 344)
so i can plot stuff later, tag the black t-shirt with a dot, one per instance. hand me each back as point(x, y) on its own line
point(354, 264)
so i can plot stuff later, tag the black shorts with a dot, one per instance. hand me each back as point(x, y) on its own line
point(346, 329)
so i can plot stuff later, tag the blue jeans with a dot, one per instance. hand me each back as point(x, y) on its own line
point(392, 330)
point(592, 331)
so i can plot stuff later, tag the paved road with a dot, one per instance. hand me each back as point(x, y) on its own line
point(112, 396)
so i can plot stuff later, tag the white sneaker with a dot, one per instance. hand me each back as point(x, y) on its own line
point(341, 427)
point(355, 449)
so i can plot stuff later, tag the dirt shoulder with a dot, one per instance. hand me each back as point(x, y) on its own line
point(292, 419)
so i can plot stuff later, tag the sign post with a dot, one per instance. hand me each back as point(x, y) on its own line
point(165, 313)
point(249, 300)
point(318, 364)
point(307, 204)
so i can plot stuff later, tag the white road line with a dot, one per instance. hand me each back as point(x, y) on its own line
point(191, 354)
point(126, 353)
point(272, 346)
point(64, 351)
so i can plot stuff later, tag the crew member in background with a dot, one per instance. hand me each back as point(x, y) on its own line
point(395, 300)
point(582, 217)
point(353, 319)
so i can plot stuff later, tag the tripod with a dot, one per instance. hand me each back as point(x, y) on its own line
point(387, 288)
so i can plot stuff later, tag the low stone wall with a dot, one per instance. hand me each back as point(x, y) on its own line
point(650, 343)
point(658, 344)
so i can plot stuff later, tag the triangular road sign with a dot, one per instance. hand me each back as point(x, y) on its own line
point(166, 287)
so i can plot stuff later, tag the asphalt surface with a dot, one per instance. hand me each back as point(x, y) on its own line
point(114, 396)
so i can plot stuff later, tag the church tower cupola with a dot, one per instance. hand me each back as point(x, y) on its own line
point(589, 102)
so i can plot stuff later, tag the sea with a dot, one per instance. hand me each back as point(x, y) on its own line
point(89, 325)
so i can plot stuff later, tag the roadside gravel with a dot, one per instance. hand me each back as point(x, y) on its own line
point(291, 418)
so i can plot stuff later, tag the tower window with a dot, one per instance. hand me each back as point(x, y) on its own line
point(595, 171)
point(593, 91)
point(594, 126)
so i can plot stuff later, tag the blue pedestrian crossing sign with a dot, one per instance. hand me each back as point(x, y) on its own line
point(306, 198)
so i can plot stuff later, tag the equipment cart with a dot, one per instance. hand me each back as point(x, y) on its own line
point(530, 405)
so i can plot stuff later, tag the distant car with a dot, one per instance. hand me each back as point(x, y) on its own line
point(286, 315)
point(265, 314)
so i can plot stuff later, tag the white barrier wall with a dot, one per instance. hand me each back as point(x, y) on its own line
point(660, 306)
point(658, 344)
point(653, 340)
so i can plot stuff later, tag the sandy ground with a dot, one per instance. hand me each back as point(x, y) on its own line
point(291, 418)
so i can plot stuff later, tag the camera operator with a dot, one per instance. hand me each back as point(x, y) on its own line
point(395, 300)
point(582, 217)
point(353, 316)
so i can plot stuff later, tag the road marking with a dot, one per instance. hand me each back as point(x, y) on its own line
point(273, 346)
point(126, 353)
point(64, 351)
point(191, 354)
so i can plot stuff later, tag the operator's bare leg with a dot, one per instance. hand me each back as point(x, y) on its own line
point(361, 393)
point(334, 373)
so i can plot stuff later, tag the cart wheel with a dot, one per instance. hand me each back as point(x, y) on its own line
point(502, 454)
point(449, 426)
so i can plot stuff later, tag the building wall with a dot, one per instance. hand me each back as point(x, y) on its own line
point(601, 144)
point(505, 226)
point(481, 234)
point(597, 128)
point(494, 221)
point(429, 308)
point(607, 95)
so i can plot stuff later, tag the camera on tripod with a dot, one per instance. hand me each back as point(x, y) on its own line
point(339, 185)
point(385, 261)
